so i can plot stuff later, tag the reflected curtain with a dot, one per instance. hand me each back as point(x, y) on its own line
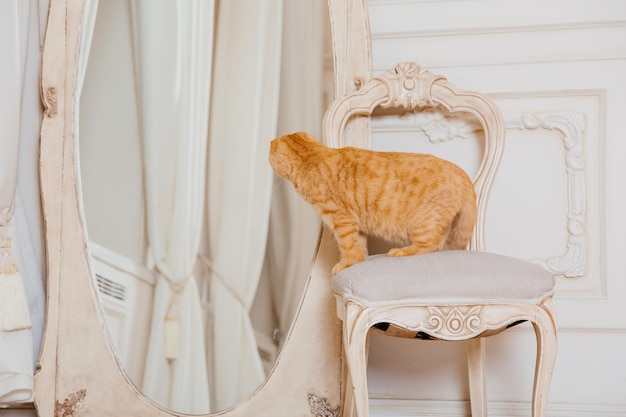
point(173, 44)
point(89, 23)
point(21, 27)
point(294, 224)
point(243, 121)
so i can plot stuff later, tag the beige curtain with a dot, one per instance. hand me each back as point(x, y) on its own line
point(16, 367)
point(294, 224)
point(243, 121)
point(21, 31)
point(173, 44)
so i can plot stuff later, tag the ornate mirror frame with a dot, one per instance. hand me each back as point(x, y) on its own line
point(78, 373)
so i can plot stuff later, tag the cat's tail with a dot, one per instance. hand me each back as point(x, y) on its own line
point(463, 225)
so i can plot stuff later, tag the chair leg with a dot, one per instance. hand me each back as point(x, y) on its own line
point(477, 376)
point(355, 331)
point(545, 331)
point(348, 409)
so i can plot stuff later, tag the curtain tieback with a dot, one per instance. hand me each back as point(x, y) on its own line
point(215, 273)
point(171, 329)
point(13, 304)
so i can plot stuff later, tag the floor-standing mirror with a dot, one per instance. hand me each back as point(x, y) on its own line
point(151, 282)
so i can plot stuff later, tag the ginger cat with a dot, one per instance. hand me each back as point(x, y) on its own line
point(417, 200)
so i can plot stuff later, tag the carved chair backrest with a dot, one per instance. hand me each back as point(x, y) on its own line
point(352, 57)
point(409, 88)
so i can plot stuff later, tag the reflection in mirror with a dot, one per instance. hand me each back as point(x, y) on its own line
point(201, 255)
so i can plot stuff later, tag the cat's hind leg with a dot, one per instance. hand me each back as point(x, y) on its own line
point(430, 238)
point(462, 226)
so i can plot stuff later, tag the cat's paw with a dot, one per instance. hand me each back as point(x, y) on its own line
point(340, 267)
point(410, 250)
point(396, 252)
point(406, 251)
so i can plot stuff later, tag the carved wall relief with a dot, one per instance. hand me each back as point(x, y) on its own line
point(440, 126)
point(571, 125)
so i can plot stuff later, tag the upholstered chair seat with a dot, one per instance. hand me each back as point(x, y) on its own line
point(444, 277)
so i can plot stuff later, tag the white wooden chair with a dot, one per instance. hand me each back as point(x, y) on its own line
point(447, 295)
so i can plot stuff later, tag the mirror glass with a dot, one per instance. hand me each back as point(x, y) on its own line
point(201, 254)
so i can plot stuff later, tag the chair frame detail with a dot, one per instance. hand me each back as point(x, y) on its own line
point(409, 88)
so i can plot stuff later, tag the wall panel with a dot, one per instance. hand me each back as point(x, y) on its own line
point(555, 69)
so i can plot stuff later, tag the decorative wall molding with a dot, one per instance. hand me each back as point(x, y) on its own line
point(494, 30)
point(440, 126)
point(403, 408)
point(571, 126)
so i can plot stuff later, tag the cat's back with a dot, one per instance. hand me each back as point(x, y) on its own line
point(397, 166)
point(392, 193)
point(371, 182)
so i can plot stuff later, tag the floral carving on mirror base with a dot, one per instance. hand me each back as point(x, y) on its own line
point(70, 405)
point(321, 408)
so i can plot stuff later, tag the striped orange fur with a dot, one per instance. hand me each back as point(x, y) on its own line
point(416, 200)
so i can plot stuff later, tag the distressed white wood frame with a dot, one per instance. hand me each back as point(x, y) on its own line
point(78, 372)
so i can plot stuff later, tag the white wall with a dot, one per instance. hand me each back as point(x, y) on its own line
point(109, 141)
point(555, 70)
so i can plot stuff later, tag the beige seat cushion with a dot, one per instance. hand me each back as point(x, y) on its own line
point(446, 277)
